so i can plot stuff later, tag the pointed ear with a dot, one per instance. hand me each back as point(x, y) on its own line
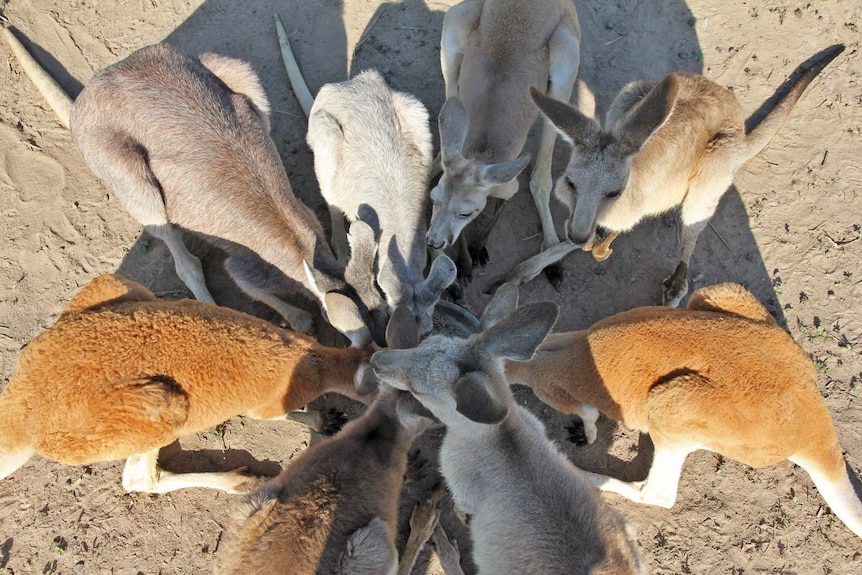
point(365, 381)
point(387, 279)
point(343, 314)
point(320, 282)
point(497, 174)
point(518, 336)
point(359, 272)
point(363, 249)
point(636, 127)
point(502, 305)
point(568, 120)
point(453, 124)
point(475, 401)
point(402, 331)
point(441, 275)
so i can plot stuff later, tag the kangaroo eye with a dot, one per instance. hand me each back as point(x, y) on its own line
point(465, 216)
point(571, 185)
point(614, 194)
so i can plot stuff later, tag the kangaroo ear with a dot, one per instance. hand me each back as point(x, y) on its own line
point(402, 331)
point(365, 381)
point(395, 291)
point(502, 305)
point(636, 127)
point(518, 336)
point(474, 399)
point(568, 120)
point(344, 315)
point(320, 282)
point(453, 124)
point(441, 275)
point(359, 272)
point(497, 174)
point(363, 250)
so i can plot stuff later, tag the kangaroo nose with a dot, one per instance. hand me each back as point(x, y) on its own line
point(434, 242)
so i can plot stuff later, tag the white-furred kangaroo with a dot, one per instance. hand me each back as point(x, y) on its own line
point(122, 374)
point(491, 52)
point(677, 141)
point(531, 510)
point(334, 510)
point(720, 375)
point(184, 143)
point(372, 155)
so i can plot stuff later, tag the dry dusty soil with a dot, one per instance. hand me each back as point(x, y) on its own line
point(789, 229)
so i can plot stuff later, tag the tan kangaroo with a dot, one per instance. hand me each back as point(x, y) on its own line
point(720, 375)
point(122, 374)
point(334, 510)
point(491, 52)
point(184, 143)
point(677, 141)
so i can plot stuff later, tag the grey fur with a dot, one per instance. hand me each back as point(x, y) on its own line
point(184, 143)
point(532, 510)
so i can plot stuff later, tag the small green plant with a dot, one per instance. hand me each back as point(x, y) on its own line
point(803, 297)
point(821, 365)
point(781, 11)
point(144, 245)
point(757, 206)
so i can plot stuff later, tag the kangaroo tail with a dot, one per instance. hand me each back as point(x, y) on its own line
point(834, 484)
point(757, 139)
point(57, 98)
point(297, 82)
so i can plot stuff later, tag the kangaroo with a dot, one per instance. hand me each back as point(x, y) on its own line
point(491, 52)
point(372, 154)
point(184, 143)
point(335, 508)
point(531, 510)
point(122, 374)
point(720, 375)
point(676, 141)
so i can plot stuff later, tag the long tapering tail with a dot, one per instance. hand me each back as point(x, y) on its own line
point(837, 489)
point(57, 98)
point(757, 139)
point(297, 82)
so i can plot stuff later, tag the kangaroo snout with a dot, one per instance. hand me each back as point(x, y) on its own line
point(436, 242)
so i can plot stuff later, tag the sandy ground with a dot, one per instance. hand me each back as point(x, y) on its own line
point(789, 229)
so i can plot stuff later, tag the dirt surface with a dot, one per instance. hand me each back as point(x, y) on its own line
point(789, 229)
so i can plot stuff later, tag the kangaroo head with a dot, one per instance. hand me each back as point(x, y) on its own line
point(355, 306)
point(420, 298)
point(456, 378)
point(463, 190)
point(600, 165)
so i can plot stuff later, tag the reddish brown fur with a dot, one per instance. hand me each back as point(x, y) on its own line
point(300, 522)
point(721, 374)
point(122, 373)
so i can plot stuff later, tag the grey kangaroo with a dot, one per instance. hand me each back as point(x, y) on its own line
point(184, 143)
point(372, 155)
point(677, 141)
point(491, 51)
point(531, 510)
